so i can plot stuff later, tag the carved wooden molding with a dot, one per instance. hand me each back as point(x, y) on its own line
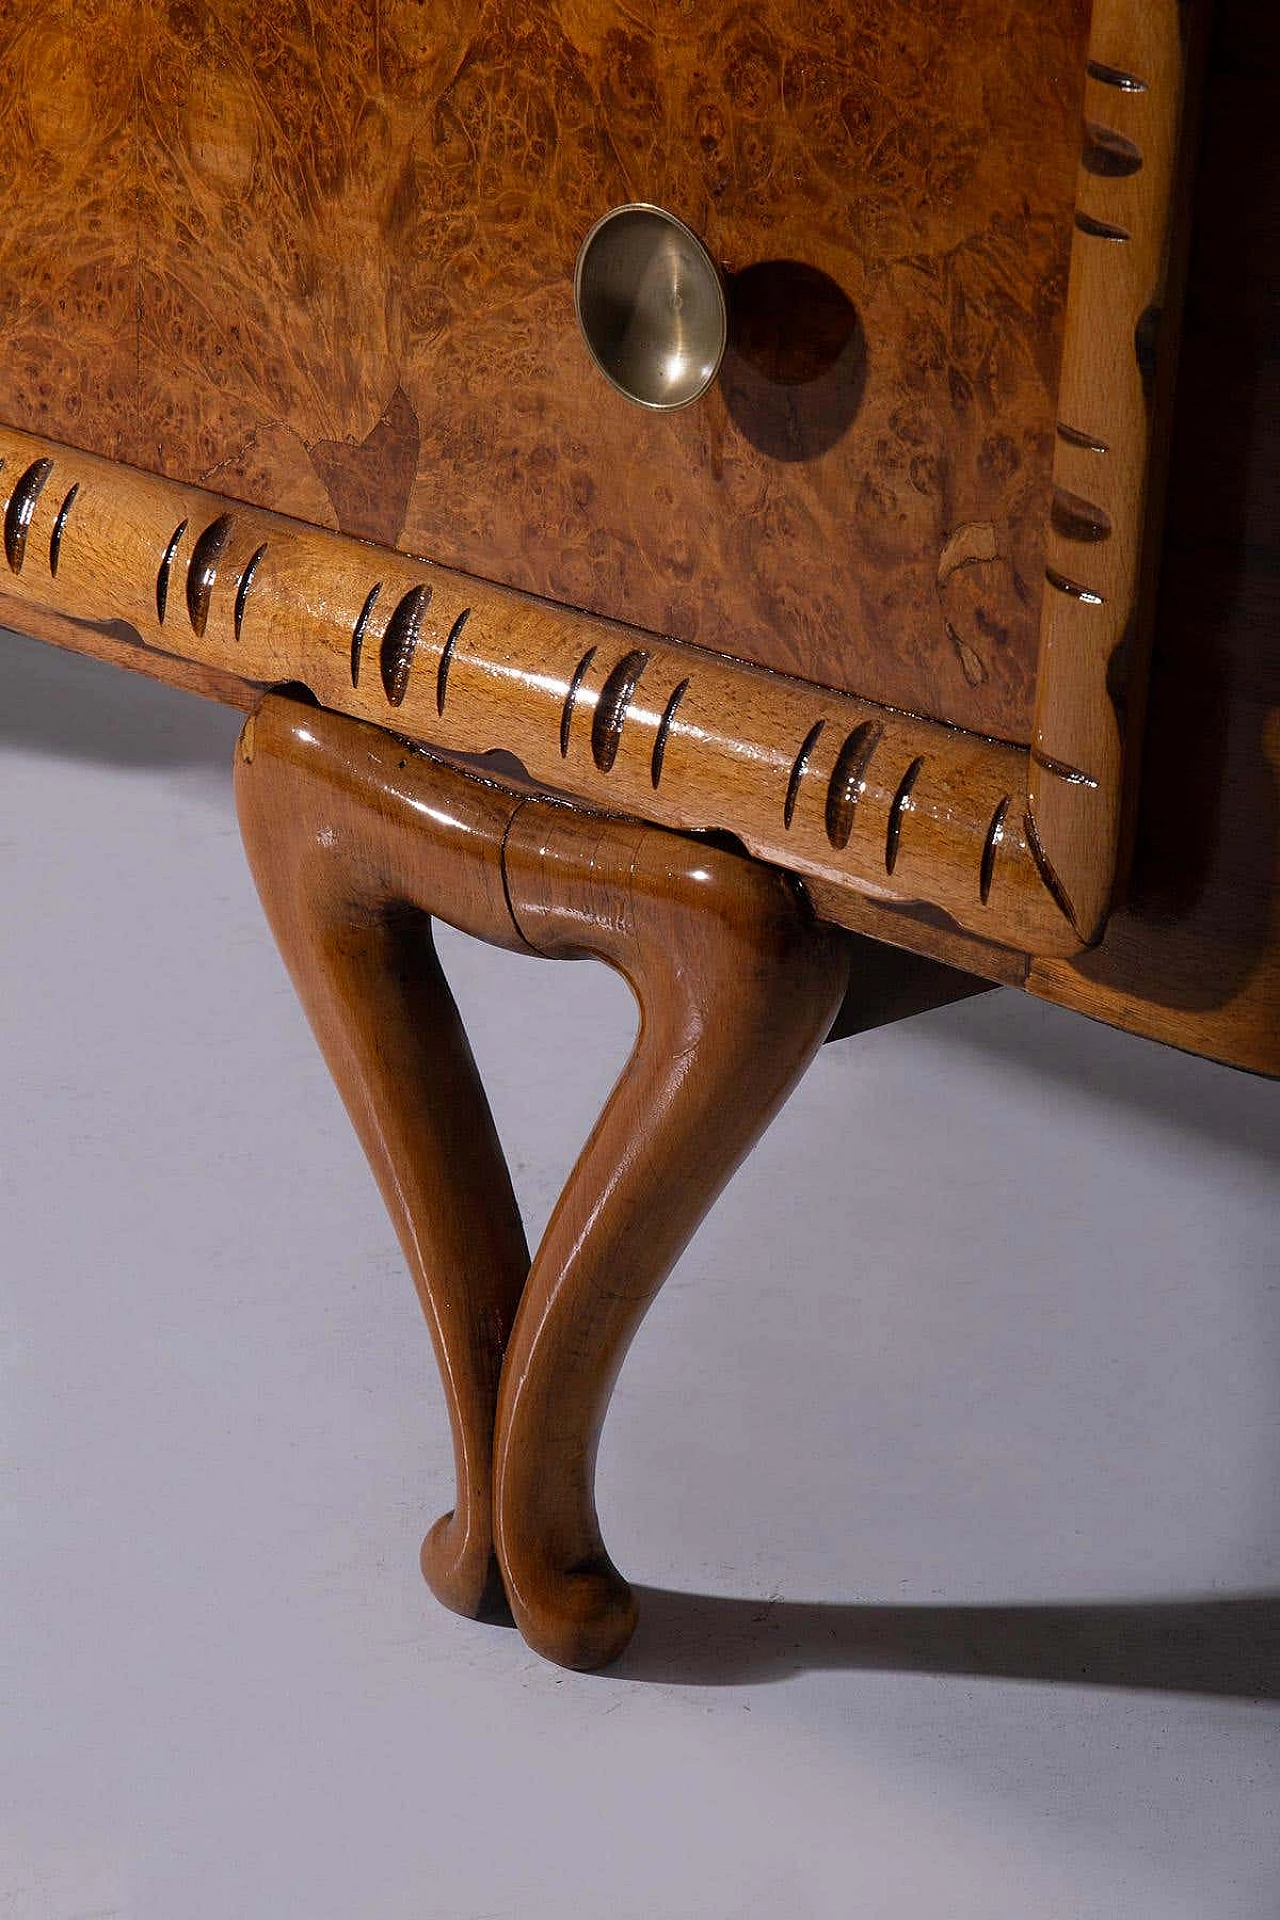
point(832, 788)
point(1104, 521)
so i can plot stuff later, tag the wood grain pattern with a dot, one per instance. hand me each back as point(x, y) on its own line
point(829, 787)
point(68, 236)
point(336, 252)
point(356, 841)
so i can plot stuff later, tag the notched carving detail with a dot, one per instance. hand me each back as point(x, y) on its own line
point(60, 527)
point(166, 569)
point(446, 657)
point(664, 728)
point(898, 811)
point(1116, 77)
point(400, 642)
point(611, 708)
point(1075, 438)
point(799, 767)
point(580, 673)
point(310, 594)
point(1061, 771)
point(1102, 229)
point(1045, 868)
point(1108, 154)
point(1074, 589)
point(246, 581)
point(1076, 518)
point(847, 777)
point(991, 847)
point(202, 571)
point(361, 628)
point(22, 505)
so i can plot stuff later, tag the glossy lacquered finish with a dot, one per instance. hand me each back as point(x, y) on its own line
point(344, 259)
point(321, 259)
point(356, 842)
point(832, 788)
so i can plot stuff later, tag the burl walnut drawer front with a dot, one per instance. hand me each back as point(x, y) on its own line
point(322, 260)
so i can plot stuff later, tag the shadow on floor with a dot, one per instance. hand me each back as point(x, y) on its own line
point(1228, 1646)
point(70, 707)
point(1069, 1055)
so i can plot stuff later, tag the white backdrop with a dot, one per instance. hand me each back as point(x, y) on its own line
point(951, 1450)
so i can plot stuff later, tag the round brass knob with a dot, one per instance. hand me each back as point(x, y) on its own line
point(651, 306)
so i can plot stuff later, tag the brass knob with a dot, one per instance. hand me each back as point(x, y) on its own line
point(651, 306)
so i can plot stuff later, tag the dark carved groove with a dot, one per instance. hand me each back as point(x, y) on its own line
point(990, 847)
point(60, 527)
point(246, 581)
point(1044, 867)
point(1108, 154)
point(166, 568)
point(1061, 584)
point(359, 630)
point(202, 571)
point(611, 708)
point(897, 813)
point(400, 641)
point(1074, 438)
point(446, 657)
point(664, 728)
point(847, 776)
point(1102, 229)
point(1076, 518)
point(571, 698)
point(1061, 771)
point(22, 504)
point(799, 768)
point(1116, 77)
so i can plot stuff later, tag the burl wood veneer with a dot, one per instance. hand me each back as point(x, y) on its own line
point(321, 260)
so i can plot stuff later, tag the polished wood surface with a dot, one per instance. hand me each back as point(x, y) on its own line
point(829, 787)
point(355, 842)
point(1193, 957)
point(350, 871)
point(322, 263)
point(737, 990)
point(1114, 403)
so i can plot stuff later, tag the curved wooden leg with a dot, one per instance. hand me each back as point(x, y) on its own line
point(355, 841)
point(737, 990)
point(339, 848)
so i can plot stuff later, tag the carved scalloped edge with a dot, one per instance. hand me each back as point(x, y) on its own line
point(830, 787)
point(1120, 302)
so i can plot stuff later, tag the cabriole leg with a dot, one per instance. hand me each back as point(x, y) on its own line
point(356, 842)
point(737, 991)
point(348, 878)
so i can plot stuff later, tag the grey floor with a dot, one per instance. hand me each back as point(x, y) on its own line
point(948, 1458)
